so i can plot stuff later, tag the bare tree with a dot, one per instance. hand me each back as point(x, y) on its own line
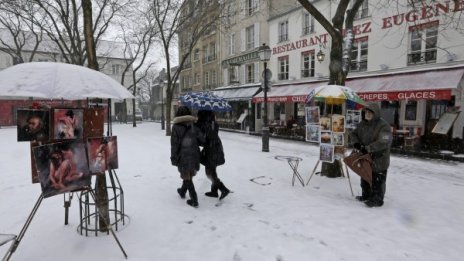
point(62, 23)
point(191, 18)
point(24, 38)
point(139, 33)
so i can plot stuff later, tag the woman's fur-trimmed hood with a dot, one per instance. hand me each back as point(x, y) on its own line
point(184, 119)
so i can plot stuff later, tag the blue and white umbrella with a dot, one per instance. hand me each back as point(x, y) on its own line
point(205, 101)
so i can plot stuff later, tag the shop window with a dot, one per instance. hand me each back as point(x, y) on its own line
point(359, 54)
point(279, 108)
point(437, 109)
point(423, 43)
point(283, 68)
point(258, 111)
point(411, 111)
point(307, 64)
point(389, 112)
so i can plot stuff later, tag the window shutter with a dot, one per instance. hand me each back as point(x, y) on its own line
point(242, 74)
point(257, 75)
point(257, 43)
point(243, 40)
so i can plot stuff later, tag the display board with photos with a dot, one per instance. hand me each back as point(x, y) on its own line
point(312, 114)
point(338, 123)
point(63, 142)
point(326, 153)
point(313, 132)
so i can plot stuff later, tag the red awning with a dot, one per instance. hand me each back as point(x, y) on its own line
point(420, 85)
point(435, 84)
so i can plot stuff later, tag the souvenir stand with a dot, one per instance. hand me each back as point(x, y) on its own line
point(67, 143)
point(329, 129)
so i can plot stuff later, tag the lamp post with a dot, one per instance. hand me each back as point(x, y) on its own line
point(162, 103)
point(265, 55)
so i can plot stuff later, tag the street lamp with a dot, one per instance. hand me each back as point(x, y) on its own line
point(161, 84)
point(320, 55)
point(265, 55)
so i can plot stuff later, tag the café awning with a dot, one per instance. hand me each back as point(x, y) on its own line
point(437, 84)
point(242, 93)
point(419, 85)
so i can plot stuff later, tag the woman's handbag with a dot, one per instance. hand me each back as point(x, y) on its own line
point(361, 164)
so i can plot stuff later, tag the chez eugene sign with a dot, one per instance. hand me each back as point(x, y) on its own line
point(413, 16)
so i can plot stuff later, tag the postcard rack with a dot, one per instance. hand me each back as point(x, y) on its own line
point(89, 216)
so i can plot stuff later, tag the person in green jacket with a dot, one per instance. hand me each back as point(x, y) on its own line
point(373, 135)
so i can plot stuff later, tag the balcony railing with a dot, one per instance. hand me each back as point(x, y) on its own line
point(305, 73)
point(283, 76)
point(429, 56)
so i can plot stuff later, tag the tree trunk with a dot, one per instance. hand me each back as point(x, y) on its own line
point(100, 186)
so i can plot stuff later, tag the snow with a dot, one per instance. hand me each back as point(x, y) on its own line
point(421, 220)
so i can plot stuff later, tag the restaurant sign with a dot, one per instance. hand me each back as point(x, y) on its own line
point(406, 95)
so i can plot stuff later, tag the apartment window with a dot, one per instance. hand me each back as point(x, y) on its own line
point(308, 24)
point(363, 11)
point(283, 31)
point(206, 80)
point(213, 78)
point(212, 52)
point(232, 44)
point(251, 6)
point(115, 68)
point(307, 64)
point(359, 54)
point(232, 75)
point(196, 54)
point(205, 53)
point(283, 68)
point(423, 46)
point(197, 78)
point(250, 37)
point(250, 73)
point(230, 14)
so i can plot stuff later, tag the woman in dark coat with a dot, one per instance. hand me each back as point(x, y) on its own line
point(213, 152)
point(185, 152)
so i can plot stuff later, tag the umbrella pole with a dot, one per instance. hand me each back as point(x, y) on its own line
point(109, 129)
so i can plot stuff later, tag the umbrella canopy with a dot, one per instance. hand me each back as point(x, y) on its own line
point(49, 80)
point(205, 101)
point(334, 94)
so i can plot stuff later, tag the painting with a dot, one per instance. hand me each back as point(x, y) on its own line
point(312, 115)
point(337, 139)
point(326, 137)
point(33, 125)
point(338, 123)
point(326, 123)
point(326, 153)
point(353, 117)
point(67, 123)
point(312, 132)
point(62, 167)
point(102, 154)
point(94, 119)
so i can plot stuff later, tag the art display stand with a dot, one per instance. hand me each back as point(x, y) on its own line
point(341, 170)
point(21, 234)
point(88, 222)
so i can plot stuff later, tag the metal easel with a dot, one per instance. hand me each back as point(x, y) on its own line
point(341, 169)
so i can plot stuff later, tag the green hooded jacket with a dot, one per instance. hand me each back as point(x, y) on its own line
point(376, 136)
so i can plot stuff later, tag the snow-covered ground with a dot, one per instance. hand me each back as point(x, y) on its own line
point(422, 218)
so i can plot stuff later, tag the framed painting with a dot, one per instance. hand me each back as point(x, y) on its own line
point(33, 125)
point(312, 114)
point(62, 167)
point(102, 154)
point(337, 139)
point(94, 119)
point(326, 123)
point(353, 117)
point(338, 123)
point(326, 153)
point(68, 123)
point(326, 137)
point(312, 132)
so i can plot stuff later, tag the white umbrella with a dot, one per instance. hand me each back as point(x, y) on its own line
point(49, 80)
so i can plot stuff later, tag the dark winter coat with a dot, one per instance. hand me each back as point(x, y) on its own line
point(213, 152)
point(376, 136)
point(185, 141)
